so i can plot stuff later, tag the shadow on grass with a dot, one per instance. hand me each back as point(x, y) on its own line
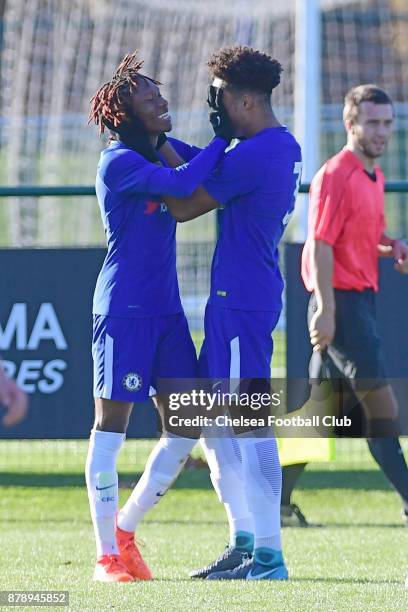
point(191, 479)
point(330, 525)
point(353, 525)
point(367, 480)
point(329, 580)
point(363, 480)
point(355, 581)
point(189, 522)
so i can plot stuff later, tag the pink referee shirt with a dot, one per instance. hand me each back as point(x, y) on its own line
point(347, 212)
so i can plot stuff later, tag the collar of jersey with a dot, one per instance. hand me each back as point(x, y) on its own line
point(355, 162)
point(279, 128)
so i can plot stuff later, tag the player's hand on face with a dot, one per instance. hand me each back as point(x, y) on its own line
point(400, 254)
point(14, 399)
point(322, 328)
point(218, 115)
point(161, 140)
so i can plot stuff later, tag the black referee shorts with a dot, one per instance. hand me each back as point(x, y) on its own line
point(355, 352)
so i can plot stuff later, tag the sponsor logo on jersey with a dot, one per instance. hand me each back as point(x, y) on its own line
point(151, 207)
point(132, 382)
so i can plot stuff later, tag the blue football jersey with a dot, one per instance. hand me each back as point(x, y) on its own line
point(256, 183)
point(138, 277)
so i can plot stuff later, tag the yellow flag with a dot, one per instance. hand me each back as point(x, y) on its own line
point(319, 445)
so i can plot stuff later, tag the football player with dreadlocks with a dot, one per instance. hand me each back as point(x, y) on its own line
point(140, 332)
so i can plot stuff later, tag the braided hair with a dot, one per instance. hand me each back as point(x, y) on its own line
point(110, 107)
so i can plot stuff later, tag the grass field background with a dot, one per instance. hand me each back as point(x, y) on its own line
point(278, 364)
point(355, 557)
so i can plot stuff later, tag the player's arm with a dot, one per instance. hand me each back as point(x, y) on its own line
point(184, 151)
point(322, 324)
point(171, 156)
point(176, 152)
point(236, 175)
point(135, 175)
point(186, 209)
point(201, 201)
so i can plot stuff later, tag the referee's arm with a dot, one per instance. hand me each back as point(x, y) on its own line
point(322, 324)
point(388, 247)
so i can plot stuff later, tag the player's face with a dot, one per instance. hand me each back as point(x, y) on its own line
point(151, 108)
point(373, 128)
point(233, 105)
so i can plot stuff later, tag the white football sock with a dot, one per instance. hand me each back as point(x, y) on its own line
point(164, 464)
point(102, 483)
point(224, 460)
point(263, 485)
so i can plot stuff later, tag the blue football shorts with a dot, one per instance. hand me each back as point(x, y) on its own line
point(131, 355)
point(237, 344)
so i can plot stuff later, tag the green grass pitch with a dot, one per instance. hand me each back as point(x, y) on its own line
point(356, 560)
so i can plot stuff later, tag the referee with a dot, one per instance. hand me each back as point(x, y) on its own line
point(340, 267)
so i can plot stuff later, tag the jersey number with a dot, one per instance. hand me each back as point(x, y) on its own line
point(297, 170)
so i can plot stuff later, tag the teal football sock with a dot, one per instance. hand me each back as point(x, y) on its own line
point(244, 540)
point(268, 556)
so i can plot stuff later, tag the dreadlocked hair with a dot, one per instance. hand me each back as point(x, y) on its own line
point(110, 103)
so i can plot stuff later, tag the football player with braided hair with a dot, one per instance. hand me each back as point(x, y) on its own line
point(140, 332)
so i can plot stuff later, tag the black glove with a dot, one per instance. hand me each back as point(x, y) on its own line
point(161, 140)
point(134, 135)
point(218, 115)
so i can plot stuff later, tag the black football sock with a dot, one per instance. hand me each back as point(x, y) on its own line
point(290, 476)
point(388, 454)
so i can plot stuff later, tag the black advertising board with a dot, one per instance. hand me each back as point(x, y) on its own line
point(45, 341)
